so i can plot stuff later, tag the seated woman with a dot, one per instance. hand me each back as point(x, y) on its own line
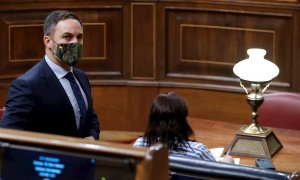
point(168, 125)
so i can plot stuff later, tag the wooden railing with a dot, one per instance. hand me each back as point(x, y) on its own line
point(112, 161)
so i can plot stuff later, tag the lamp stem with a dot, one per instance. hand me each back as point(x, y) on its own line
point(255, 104)
point(255, 99)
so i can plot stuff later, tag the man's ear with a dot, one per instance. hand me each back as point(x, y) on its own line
point(47, 43)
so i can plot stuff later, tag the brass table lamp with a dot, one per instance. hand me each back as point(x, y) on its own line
point(254, 140)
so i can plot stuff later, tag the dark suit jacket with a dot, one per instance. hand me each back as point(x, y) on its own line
point(38, 102)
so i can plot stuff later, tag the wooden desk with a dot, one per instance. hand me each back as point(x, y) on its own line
point(124, 137)
point(220, 134)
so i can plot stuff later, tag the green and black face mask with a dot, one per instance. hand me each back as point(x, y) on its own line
point(69, 53)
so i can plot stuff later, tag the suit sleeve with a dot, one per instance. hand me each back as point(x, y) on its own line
point(19, 106)
point(93, 124)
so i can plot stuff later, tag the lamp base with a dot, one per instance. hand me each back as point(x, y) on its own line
point(264, 145)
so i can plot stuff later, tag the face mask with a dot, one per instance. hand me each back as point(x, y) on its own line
point(68, 53)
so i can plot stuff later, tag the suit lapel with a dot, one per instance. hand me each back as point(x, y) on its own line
point(56, 89)
point(50, 78)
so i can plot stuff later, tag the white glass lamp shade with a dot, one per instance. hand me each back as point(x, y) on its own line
point(256, 68)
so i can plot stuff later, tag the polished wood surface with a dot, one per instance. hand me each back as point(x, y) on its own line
point(220, 134)
point(126, 137)
point(64, 142)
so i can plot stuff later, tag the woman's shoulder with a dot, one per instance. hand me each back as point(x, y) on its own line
point(195, 144)
point(197, 147)
point(197, 150)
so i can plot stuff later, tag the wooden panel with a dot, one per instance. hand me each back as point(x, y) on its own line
point(110, 105)
point(95, 45)
point(139, 103)
point(220, 106)
point(127, 108)
point(23, 42)
point(202, 37)
point(21, 50)
point(205, 43)
point(123, 108)
point(143, 41)
point(103, 42)
point(3, 96)
point(7, 1)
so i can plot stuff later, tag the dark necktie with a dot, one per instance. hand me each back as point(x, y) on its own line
point(77, 93)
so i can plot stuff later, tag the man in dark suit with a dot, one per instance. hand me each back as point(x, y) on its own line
point(43, 99)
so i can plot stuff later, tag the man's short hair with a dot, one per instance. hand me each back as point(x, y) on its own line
point(54, 17)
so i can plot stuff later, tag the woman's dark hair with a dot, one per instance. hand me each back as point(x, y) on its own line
point(168, 122)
